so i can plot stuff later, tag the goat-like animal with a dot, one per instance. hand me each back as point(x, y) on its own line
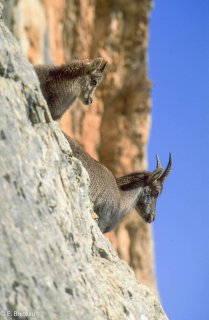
point(61, 85)
point(113, 197)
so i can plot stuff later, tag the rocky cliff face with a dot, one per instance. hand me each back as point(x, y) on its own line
point(115, 129)
point(55, 263)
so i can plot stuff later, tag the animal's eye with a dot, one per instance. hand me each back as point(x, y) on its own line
point(155, 194)
point(93, 82)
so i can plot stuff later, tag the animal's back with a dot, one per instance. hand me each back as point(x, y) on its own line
point(100, 176)
point(104, 192)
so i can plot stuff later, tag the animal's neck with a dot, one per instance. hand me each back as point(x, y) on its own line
point(65, 91)
point(130, 187)
point(128, 200)
point(70, 90)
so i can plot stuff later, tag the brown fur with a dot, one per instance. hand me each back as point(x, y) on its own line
point(61, 85)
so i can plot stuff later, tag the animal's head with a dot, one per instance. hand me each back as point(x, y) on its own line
point(148, 186)
point(152, 187)
point(94, 74)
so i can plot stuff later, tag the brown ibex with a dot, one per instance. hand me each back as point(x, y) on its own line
point(113, 197)
point(61, 85)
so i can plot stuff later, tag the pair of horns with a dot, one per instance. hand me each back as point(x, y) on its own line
point(167, 169)
point(96, 65)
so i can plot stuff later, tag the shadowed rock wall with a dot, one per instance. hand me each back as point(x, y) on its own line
point(115, 128)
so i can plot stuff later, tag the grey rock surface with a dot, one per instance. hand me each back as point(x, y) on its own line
point(1, 9)
point(55, 263)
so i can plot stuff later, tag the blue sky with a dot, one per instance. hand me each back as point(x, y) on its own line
point(179, 69)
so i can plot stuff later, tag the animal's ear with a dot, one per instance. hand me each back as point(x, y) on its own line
point(154, 175)
point(98, 64)
point(132, 181)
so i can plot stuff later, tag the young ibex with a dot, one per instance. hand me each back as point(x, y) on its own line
point(61, 85)
point(113, 198)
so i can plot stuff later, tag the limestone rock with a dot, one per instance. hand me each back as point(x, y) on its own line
point(1, 9)
point(55, 263)
point(116, 128)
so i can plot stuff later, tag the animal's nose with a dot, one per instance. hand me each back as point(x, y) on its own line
point(89, 101)
point(150, 218)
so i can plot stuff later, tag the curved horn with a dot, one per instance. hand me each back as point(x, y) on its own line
point(103, 65)
point(158, 165)
point(167, 170)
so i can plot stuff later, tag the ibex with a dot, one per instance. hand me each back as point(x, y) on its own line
point(61, 85)
point(113, 197)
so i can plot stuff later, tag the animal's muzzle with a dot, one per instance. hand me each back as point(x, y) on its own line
point(150, 218)
point(88, 101)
